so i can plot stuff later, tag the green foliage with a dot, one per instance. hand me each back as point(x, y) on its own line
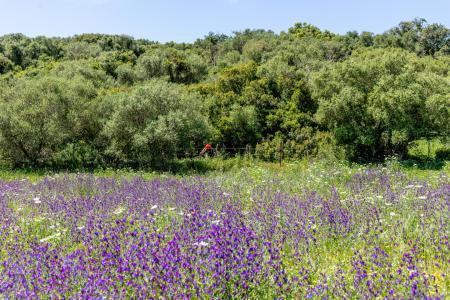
point(307, 143)
point(153, 123)
point(428, 150)
point(178, 66)
point(417, 36)
point(185, 67)
point(78, 156)
point(235, 78)
point(40, 116)
point(102, 100)
point(304, 30)
point(24, 52)
point(86, 69)
point(82, 50)
point(111, 42)
point(434, 38)
point(125, 74)
point(240, 127)
point(378, 101)
point(443, 154)
point(211, 44)
point(150, 65)
point(110, 61)
point(5, 64)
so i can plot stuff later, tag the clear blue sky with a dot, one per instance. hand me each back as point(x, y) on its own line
point(186, 20)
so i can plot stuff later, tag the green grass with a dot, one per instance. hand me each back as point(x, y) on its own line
point(424, 148)
point(421, 163)
point(32, 175)
point(327, 171)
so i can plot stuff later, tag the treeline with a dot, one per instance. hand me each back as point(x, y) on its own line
point(101, 100)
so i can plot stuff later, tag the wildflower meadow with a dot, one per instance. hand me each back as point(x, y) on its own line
point(260, 233)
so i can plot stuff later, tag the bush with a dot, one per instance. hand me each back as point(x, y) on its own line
point(5, 64)
point(80, 50)
point(40, 116)
point(153, 123)
point(78, 156)
point(150, 65)
point(240, 127)
point(443, 154)
point(125, 74)
point(311, 144)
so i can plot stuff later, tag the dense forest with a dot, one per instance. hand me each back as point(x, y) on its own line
point(95, 100)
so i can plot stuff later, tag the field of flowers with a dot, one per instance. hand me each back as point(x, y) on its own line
point(333, 232)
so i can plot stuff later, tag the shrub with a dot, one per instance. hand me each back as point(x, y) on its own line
point(77, 156)
point(443, 154)
point(153, 123)
point(40, 116)
point(310, 144)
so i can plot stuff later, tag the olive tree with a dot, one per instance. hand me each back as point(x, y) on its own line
point(153, 123)
point(380, 100)
point(40, 116)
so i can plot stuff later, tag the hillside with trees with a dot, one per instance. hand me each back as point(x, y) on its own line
point(95, 100)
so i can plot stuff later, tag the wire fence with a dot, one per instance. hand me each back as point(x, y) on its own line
point(226, 152)
point(193, 152)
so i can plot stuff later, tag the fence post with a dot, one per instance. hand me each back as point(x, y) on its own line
point(248, 148)
point(280, 154)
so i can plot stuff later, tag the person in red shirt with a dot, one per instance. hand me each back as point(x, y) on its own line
point(207, 149)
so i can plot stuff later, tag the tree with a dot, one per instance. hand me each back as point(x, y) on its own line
point(234, 79)
point(240, 126)
point(153, 123)
point(14, 45)
point(125, 74)
point(378, 101)
point(252, 87)
point(80, 50)
point(211, 43)
point(305, 30)
point(185, 67)
point(5, 64)
point(416, 36)
point(40, 116)
point(86, 69)
point(406, 35)
point(255, 49)
point(151, 65)
point(110, 61)
point(433, 38)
